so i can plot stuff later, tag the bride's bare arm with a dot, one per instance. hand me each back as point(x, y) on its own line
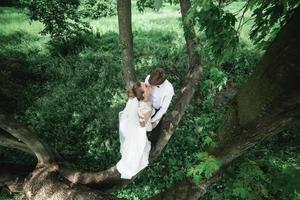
point(147, 116)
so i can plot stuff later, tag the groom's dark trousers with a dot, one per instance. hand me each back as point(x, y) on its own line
point(154, 134)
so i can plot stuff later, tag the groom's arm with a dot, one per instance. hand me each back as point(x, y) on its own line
point(163, 109)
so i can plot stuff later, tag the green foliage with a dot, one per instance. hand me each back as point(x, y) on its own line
point(211, 86)
point(153, 4)
point(10, 3)
point(239, 67)
point(74, 44)
point(78, 112)
point(207, 165)
point(266, 172)
point(218, 26)
point(142, 4)
point(269, 17)
point(150, 54)
point(98, 8)
point(60, 18)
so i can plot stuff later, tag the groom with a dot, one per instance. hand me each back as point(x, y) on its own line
point(160, 98)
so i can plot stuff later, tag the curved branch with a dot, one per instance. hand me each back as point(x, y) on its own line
point(22, 133)
point(7, 140)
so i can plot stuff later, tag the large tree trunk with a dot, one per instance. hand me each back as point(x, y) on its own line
point(266, 104)
point(189, 34)
point(126, 39)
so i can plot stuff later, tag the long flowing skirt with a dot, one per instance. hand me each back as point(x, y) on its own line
point(135, 146)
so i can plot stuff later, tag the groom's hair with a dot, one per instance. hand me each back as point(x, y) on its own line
point(157, 77)
point(136, 91)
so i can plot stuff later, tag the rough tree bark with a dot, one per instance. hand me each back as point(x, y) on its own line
point(126, 39)
point(189, 34)
point(266, 104)
point(46, 183)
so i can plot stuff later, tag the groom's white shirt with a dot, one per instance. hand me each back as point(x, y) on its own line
point(161, 97)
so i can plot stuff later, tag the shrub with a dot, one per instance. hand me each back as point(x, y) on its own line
point(98, 8)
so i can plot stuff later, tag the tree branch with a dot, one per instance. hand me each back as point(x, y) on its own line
point(7, 140)
point(22, 133)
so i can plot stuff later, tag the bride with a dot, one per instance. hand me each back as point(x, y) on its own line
point(135, 145)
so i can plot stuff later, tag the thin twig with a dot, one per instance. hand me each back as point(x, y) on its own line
point(242, 17)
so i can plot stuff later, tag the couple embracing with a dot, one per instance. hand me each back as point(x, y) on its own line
point(147, 103)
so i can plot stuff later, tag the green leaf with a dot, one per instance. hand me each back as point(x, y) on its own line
point(207, 140)
point(202, 155)
point(200, 168)
point(197, 179)
point(240, 192)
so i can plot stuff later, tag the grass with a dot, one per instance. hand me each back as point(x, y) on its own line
point(14, 19)
point(20, 32)
point(166, 19)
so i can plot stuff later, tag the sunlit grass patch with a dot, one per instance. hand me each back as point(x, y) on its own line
point(19, 33)
point(166, 19)
point(14, 19)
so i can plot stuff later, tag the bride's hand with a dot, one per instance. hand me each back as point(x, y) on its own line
point(142, 123)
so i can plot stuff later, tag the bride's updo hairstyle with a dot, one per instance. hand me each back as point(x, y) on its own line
point(157, 77)
point(136, 91)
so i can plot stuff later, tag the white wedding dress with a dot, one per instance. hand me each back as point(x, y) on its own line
point(135, 145)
